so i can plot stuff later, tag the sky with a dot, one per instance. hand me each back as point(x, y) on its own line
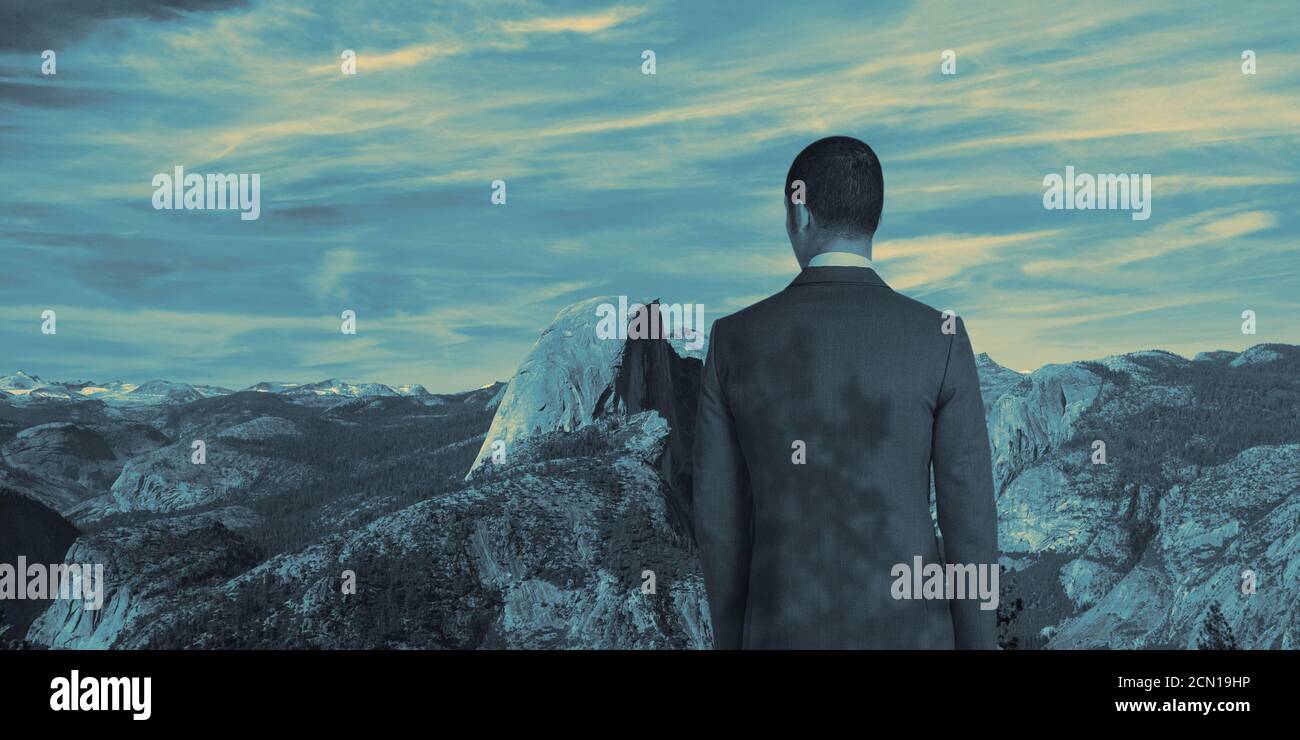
point(376, 187)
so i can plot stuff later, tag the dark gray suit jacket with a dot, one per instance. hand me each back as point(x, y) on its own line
point(800, 556)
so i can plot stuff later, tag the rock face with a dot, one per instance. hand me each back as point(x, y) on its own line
point(548, 554)
point(150, 572)
point(63, 451)
point(564, 382)
point(166, 480)
point(1238, 518)
point(995, 380)
point(1031, 418)
point(1200, 485)
point(572, 378)
point(63, 464)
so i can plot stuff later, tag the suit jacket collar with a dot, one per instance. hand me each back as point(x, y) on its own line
point(815, 275)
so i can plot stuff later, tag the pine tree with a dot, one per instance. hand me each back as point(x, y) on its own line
point(1008, 610)
point(1216, 633)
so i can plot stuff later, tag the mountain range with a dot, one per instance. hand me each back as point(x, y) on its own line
point(554, 510)
point(23, 386)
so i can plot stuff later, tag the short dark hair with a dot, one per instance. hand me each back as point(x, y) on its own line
point(843, 185)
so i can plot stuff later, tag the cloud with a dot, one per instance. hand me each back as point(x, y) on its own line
point(407, 56)
point(375, 187)
point(46, 95)
point(588, 23)
point(936, 259)
point(327, 280)
point(1189, 232)
point(34, 26)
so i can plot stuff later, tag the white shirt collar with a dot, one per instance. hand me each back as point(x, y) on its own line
point(839, 259)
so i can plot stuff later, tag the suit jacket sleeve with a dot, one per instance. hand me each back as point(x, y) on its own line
point(963, 482)
point(722, 508)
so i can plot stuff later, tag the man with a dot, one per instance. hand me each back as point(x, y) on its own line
point(822, 411)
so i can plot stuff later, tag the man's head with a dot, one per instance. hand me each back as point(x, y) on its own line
point(833, 195)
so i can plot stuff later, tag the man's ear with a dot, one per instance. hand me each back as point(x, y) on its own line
point(798, 217)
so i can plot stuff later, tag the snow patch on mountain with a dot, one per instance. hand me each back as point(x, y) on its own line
point(272, 386)
point(336, 387)
point(20, 383)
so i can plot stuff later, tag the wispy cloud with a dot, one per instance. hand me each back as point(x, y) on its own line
point(336, 265)
point(407, 56)
point(584, 23)
point(376, 186)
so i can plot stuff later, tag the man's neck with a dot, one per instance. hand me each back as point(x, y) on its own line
point(860, 247)
point(840, 259)
point(843, 245)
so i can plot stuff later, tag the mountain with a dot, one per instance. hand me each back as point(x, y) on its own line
point(579, 542)
point(995, 380)
point(112, 391)
point(1262, 354)
point(571, 379)
point(23, 387)
point(148, 568)
point(333, 389)
point(564, 382)
point(336, 387)
point(1199, 485)
point(162, 391)
point(1213, 524)
point(65, 463)
point(73, 453)
point(556, 543)
point(20, 383)
point(27, 387)
point(272, 387)
point(551, 555)
point(488, 397)
point(98, 462)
